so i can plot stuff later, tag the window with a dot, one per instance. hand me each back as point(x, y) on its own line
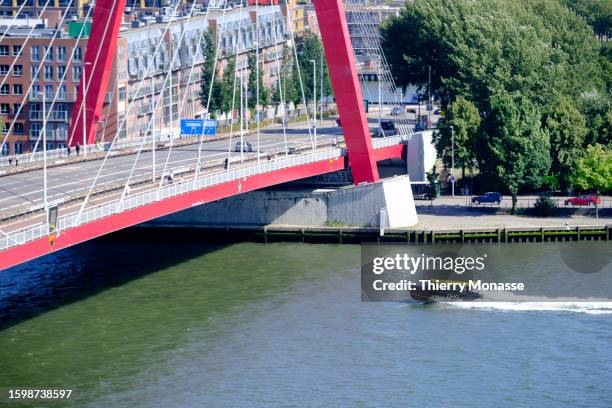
point(17, 70)
point(76, 74)
point(5, 108)
point(16, 108)
point(49, 73)
point(121, 94)
point(61, 92)
point(4, 90)
point(4, 50)
point(4, 69)
point(78, 54)
point(35, 53)
point(35, 130)
point(16, 50)
point(49, 92)
point(61, 71)
point(61, 53)
point(17, 89)
point(5, 128)
point(34, 71)
point(61, 111)
point(19, 145)
point(48, 53)
point(35, 92)
point(61, 132)
point(18, 129)
point(35, 111)
point(6, 149)
point(50, 145)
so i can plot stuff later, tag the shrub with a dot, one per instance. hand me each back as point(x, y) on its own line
point(545, 206)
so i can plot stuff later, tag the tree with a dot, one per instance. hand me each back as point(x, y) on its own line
point(464, 118)
point(312, 49)
point(594, 172)
point(519, 149)
point(566, 129)
point(209, 79)
point(597, 13)
point(229, 86)
point(254, 73)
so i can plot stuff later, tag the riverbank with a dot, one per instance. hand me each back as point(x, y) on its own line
point(355, 235)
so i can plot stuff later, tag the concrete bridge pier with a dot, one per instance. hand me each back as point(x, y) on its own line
point(359, 205)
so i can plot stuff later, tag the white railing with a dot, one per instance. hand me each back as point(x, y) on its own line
point(379, 142)
point(104, 210)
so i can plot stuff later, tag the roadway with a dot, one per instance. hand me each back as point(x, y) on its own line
point(22, 191)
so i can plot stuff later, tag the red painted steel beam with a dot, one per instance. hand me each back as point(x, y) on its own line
point(347, 89)
point(40, 247)
point(99, 57)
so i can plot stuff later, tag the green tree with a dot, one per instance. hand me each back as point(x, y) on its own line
point(464, 118)
point(264, 94)
point(598, 13)
point(519, 149)
point(312, 49)
point(594, 172)
point(229, 86)
point(208, 77)
point(566, 129)
point(597, 108)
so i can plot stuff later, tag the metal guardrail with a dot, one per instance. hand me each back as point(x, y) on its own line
point(104, 210)
point(379, 142)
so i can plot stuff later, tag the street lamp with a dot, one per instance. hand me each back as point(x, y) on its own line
point(452, 160)
point(314, 99)
point(84, 109)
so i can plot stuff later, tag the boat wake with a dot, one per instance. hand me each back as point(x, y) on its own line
point(575, 306)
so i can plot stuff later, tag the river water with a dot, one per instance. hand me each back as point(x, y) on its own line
point(178, 324)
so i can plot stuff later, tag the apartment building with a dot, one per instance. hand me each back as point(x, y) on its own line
point(30, 72)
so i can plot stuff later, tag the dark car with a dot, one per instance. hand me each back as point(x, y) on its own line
point(487, 198)
point(246, 147)
point(388, 129)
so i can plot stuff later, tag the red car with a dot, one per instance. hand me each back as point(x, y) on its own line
point(583, 200)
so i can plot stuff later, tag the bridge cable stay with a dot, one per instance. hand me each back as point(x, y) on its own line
point(283, 99)
point(184, 102)
point(212, 78)
point(28, 37)
point(372, 36)
point(257, 112)
point(62, 81)
point(159, 99)
point(229, 145)
point(124, 120)
point(383, 90)
point(299, 72)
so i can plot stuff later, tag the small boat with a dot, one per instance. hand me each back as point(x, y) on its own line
point(427, 296)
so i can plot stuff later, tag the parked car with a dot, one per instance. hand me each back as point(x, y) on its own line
point(338, 122)
point(412, 110)
point(583, 200)
point(487, 198)
point(244, 146)
point(397, 111)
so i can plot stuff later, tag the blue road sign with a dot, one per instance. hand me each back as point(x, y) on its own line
point(210, 127)
point(192, 126)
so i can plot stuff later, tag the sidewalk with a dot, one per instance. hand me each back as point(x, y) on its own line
point(452, 213)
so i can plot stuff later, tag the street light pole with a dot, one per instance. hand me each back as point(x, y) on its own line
point(314, 99)
point(44, 140)
point(380, 131)
point(321, 93)
point(452, 160)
